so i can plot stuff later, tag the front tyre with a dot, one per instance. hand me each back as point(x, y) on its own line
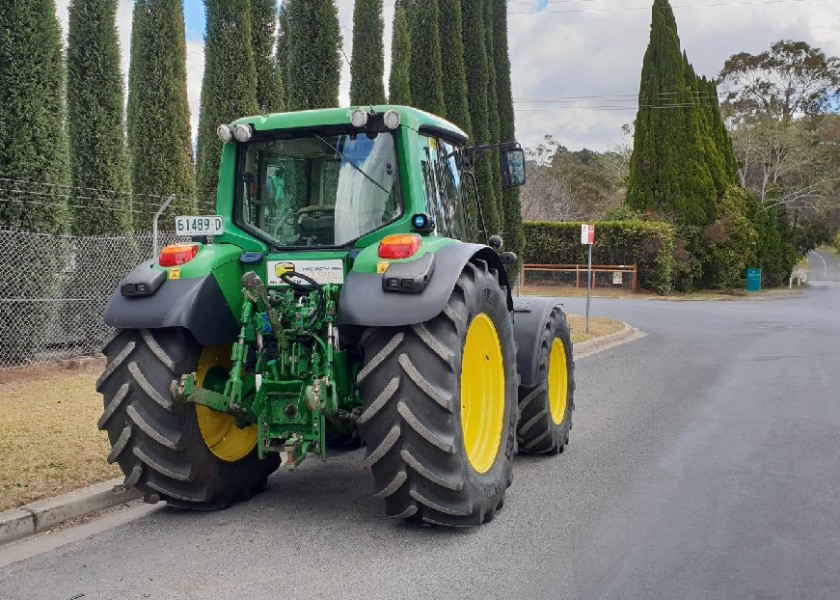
point(440, 407)
point(546, 408)
point(189, 456)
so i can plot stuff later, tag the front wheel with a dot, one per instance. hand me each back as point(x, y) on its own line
point(439, 417)
point(189, 456)
point(546, 408)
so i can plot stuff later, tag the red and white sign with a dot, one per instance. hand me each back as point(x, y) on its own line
point(587, 234)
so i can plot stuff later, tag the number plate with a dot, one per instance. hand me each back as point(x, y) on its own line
point(199, 226)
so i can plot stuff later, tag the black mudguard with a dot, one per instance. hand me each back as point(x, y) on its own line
point(363, 302)
point(196, 305)
point(529, 317)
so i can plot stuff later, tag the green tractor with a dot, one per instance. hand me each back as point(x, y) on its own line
point(332, 303)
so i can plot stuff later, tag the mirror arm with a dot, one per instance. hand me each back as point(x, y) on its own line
point(471, 175)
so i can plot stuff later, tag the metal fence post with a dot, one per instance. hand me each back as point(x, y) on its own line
point(155, 224)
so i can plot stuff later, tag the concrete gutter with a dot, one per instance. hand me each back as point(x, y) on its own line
point(39, 516)
point(590, 347)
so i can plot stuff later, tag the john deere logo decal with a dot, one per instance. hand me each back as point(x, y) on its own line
point(323, 271)
point(282, 268)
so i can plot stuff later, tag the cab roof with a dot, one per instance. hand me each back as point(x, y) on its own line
point(410, 117)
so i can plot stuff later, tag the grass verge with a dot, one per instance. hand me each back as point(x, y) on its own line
point(598, 327)
point(50, 443)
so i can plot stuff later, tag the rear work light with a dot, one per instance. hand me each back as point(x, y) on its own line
point(401, 245)
point(177, 254)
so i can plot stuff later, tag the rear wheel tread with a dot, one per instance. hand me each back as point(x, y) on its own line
point(157, 442)
point(423, 474)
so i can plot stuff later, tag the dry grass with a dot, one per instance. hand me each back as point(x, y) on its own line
point(598, 327)
point(49, 443)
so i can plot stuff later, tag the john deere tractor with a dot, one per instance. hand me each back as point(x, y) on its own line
point(334, 301)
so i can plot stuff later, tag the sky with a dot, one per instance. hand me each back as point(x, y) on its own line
point(576, 63)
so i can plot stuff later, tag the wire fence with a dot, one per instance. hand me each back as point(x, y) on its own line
point(54, 287)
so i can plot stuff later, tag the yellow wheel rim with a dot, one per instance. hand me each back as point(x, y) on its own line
point(558, 381)
point(219, 431)
point(482, 393)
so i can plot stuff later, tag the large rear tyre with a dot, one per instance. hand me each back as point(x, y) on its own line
point(546, 408)
point(440, 407)
point(191, 457)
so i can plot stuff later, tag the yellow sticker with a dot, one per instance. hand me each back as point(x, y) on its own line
point(175, 273)
point(281, 269)
point(382, 266)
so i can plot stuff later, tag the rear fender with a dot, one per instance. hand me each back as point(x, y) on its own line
point(529, 317)
point(364, 303)
point(196, 304)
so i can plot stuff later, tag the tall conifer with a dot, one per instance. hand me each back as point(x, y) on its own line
point(33, 142)
point(452, 63)
point(475, 58)
point(512, 209)
point(282, 55)
point(158, 118)
point(399, 84)
point(229, 87)
point(493, 105)
point(426, 74)
point(368, 61)
point(313, 66)
point(668, 170)
point(98, 153)
point(33, 169)
point(263, 30)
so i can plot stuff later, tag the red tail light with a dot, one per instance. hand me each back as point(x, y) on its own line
point(177, 254)
point(399, 245)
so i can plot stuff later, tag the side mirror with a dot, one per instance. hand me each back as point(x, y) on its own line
point(513, 167)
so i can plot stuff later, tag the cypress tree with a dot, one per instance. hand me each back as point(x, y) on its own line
point(229, 87)
point(426, 74)
point(263, 26)
point(33, 160)
point(368, 61)
point(399, 85)
point(493, 106)
point(98, 154)
point(512, 210)
point(282, 58)
point(452, 63)
point(668, 170)
point(475, 59)
point(721, 136)
point(313, 64)
point(33, 141)
point(158, 119)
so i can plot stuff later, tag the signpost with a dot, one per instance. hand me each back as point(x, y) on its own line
point(587, 236)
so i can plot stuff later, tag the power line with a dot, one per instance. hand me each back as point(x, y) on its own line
point(645, 8)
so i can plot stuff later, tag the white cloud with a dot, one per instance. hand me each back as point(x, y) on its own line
point(586, 59)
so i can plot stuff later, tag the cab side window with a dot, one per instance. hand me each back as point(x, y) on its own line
point(443, 186)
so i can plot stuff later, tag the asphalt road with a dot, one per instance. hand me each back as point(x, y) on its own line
point(824, 268)
point(703, 464)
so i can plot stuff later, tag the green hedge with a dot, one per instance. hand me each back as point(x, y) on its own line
point(649, 245)
point(837, 242)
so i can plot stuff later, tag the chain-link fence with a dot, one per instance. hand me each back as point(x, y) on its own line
point(54, 287)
